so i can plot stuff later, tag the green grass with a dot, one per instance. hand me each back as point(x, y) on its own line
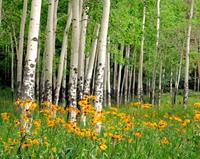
point(64, 142)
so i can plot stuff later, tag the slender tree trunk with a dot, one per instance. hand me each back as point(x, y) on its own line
point(130, 83)
point(134, 74)
point(119, 76)
point(105, 82)
point(63, 90)
point(198, 84)
point(63, 55)
point(49, 52)
point(81, 60)
point(91, 64)
point(74, 59)
point(186, 89)
point(140, 74)
point(126, 75)
point(101, 60)
point(156, 53)
point(30, 62)
point(115, 74)
point(21, 48)
point(171, 86)
point(108, 75)
point(178, 78)
point(12, 65)
point(38, 75)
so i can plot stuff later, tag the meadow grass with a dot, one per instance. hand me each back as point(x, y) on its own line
point(131, 132)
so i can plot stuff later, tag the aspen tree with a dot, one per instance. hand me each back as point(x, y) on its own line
point(140, 74)
point(73, 77)
point(91, 61)
point(48, 65)
point(30, 61)
point(186, 79)
point(21, 48)
point(156, 53)
point(63, 54)
point(119, 76)
point(81, 60)
point(101, 61)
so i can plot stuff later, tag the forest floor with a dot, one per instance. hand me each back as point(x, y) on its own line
point(132, 131)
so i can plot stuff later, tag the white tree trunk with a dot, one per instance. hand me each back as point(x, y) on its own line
point(186, 89)
point(38, 75)
point(115, 74)
point(140, 74)
point(92, 60)
point(63, 92)
point(49, 52)
point(12, 63)
point(81, 60)
point(156, 53)
point(130, 83)
point(30, 62)
point(63, 54)
point(21, 48)
point(134, 74)
point(105, 82)
point(74, 59)
point(101, 60)
point(126, 75)
point(108, 75)
point(119, 76)
point(171, 85)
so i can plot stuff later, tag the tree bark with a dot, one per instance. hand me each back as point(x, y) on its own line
point(140, 74)
point(12, 65)
point(119, 76)
point(126, 75)
point(38, 75)
point(49, 52)
point(101, 60)
point(81, 60)
point(186, 89)
point(21, 48)
point(30, 61)
point(63, 55)
point(74, 59)
point(91, 61)
point(156, 53)
point(108, 75)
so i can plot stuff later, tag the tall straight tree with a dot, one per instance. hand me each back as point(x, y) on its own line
point(81, 60)
point(48, 65)
point(30, 61)
point(101, 60)
point(186, 89)
point(63, 54)
point(74, 58)
point(21, 47)
point(156, 52)
point(140, 74)
point(119, 76)
point(91, 61)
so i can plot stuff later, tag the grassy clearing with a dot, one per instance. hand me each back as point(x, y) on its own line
point(133, 131)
